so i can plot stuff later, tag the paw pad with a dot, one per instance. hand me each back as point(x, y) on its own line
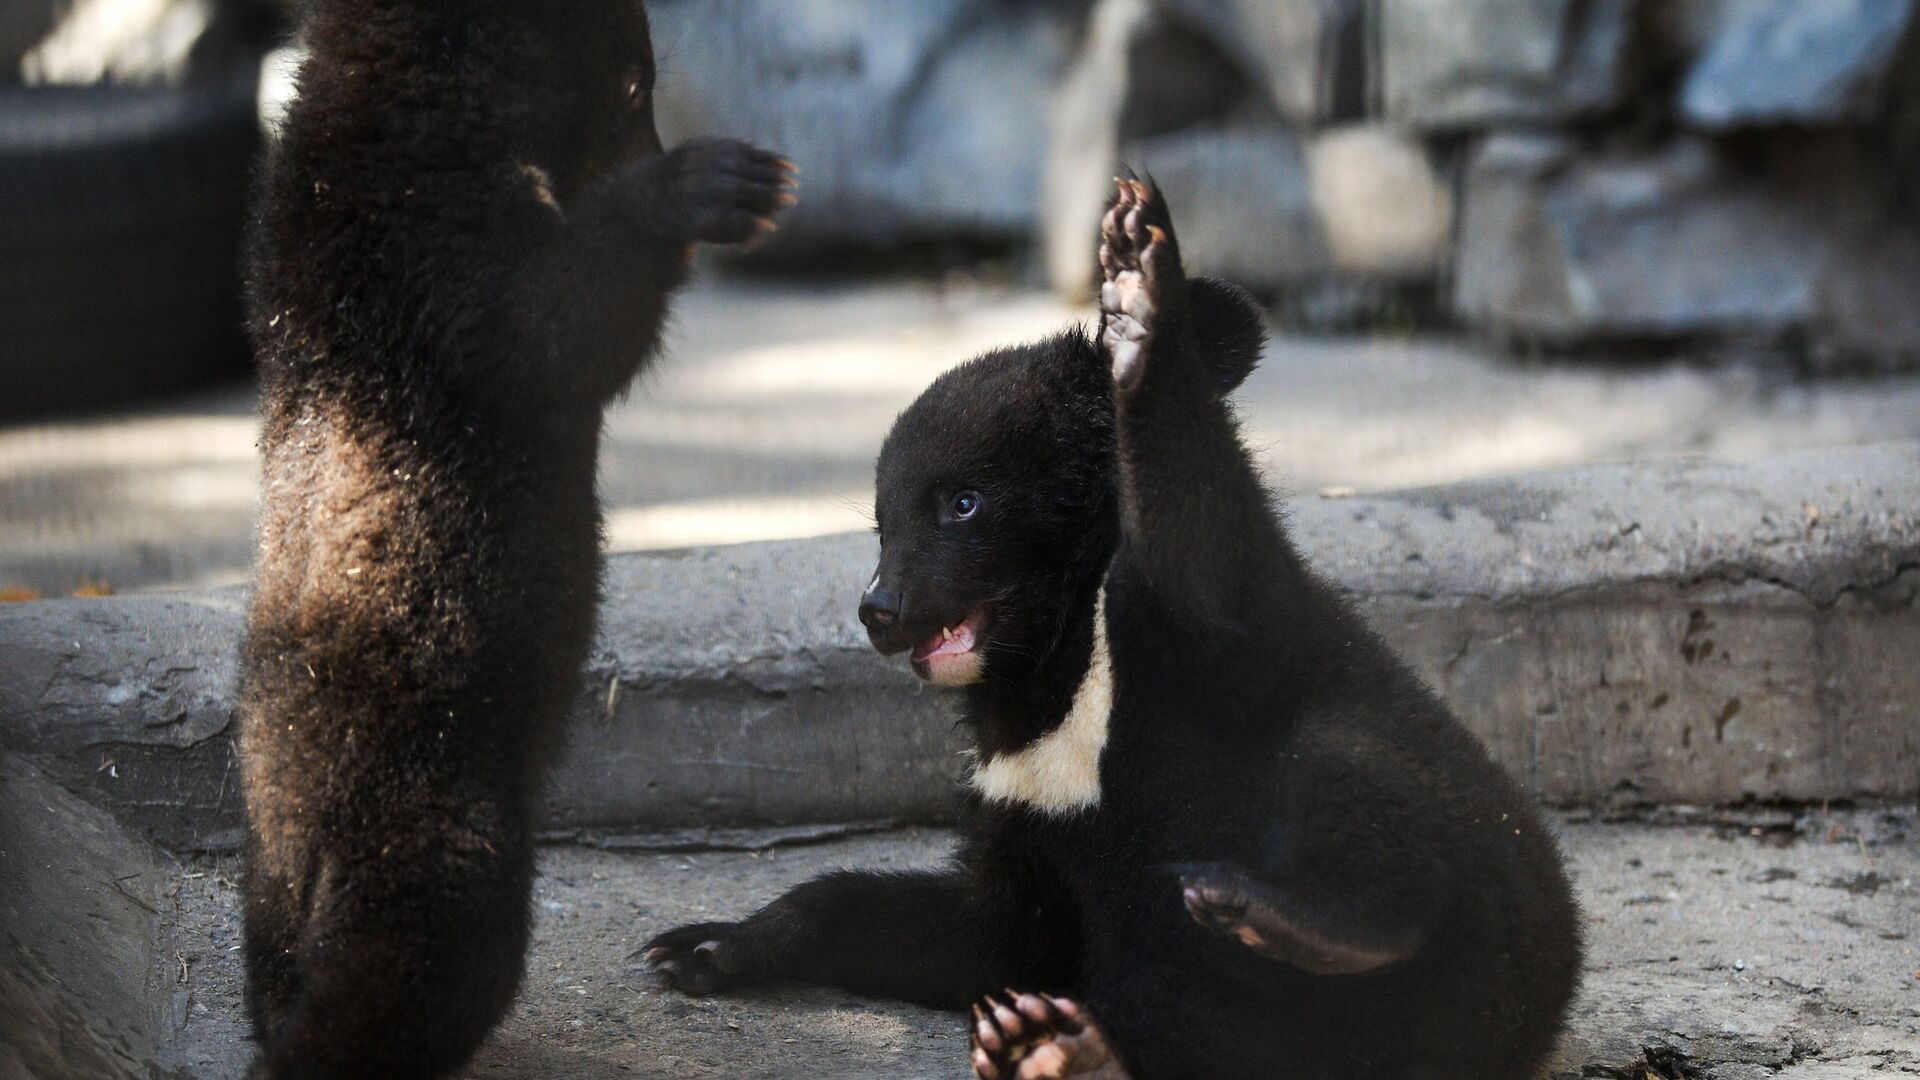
point(1039, 1037)
point(1137, 258)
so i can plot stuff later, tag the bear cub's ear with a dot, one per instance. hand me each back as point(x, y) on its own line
point(1229, 329)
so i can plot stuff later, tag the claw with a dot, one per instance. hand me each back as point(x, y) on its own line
point(984, 1032)
point(1033, 1007)
point(1007, 1020)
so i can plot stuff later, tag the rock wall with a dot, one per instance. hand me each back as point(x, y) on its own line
point(1554, 173)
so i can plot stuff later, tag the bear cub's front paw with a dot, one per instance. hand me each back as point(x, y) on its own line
point(723, 191)
point(1139, 265)
point(699, 959)
point(1039, 1037)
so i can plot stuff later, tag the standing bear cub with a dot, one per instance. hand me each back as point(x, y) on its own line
point(465, 244)
point(1220, 831)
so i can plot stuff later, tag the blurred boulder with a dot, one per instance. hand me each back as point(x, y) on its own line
point(1466, 64)
point(1138, 74)
point(1179, 89)
point(1243, 198)
point(1273, 209)
point(1565, 246)
point(1385, 209)
point(1084, 140)
point(910, 121)
point(1773, 62)
point(1309, 54)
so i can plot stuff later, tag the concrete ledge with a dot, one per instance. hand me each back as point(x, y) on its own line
point(1656, 633)
point(87, 987)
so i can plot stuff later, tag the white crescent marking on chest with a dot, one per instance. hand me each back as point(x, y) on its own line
point(1059, 773)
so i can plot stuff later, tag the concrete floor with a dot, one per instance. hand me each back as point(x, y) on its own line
point(1728, 953)
point(764, 419)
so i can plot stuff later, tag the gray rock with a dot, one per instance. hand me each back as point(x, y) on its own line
point(1271, 207)
point(911, 122)
point(1459, 64)
point(1084, 145)
point(1770, 62)
point(1138, 73)
point(1263, 197)
point(1685, 242)
point(1384, 208)
point(1244, 200)
point(1309, 55)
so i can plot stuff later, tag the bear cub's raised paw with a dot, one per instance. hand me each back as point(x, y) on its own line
point(1140, 269)
point(1039, 1037)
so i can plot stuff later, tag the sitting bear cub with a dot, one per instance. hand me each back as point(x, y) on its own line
point(1220, 830)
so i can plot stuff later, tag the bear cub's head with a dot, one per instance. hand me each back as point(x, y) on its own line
point(996, 497)
point(567, 88)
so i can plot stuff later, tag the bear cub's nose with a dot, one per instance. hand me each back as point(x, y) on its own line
point(879, 608)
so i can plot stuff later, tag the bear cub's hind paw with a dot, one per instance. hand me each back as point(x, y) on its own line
point(1038, 1037)
point(1138, 265)
point(1224, 899)
point(696, 960)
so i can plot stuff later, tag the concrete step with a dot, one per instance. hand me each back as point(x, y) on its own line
point(1782, 950)
point(1670, 633)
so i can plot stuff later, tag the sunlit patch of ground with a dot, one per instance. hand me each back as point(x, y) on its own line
point(763, 420)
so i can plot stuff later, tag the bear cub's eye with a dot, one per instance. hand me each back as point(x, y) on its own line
point(636, 90)
point(964, 505)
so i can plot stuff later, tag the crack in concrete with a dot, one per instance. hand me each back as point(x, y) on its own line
point(1519, 598)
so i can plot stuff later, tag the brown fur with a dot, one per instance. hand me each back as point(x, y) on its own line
point(464, 249)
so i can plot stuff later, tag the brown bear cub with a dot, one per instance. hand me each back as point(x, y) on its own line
point(1219, 829)
point(465, 244)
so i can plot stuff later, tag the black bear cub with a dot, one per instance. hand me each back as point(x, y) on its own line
point(1220, 831)
point(464, 247)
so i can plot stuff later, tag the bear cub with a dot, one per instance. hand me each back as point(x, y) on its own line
point(463, 248)
point(1218, 829)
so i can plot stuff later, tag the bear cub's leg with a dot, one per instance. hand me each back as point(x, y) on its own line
point(1230, 901)
point(1040, 1037)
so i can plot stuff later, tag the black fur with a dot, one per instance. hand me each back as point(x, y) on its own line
point(464, 248)
point(1300, 864)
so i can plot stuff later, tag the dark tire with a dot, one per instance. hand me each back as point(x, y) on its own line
point(121, 211)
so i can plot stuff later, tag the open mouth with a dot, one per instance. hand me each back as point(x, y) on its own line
point(951, 656)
